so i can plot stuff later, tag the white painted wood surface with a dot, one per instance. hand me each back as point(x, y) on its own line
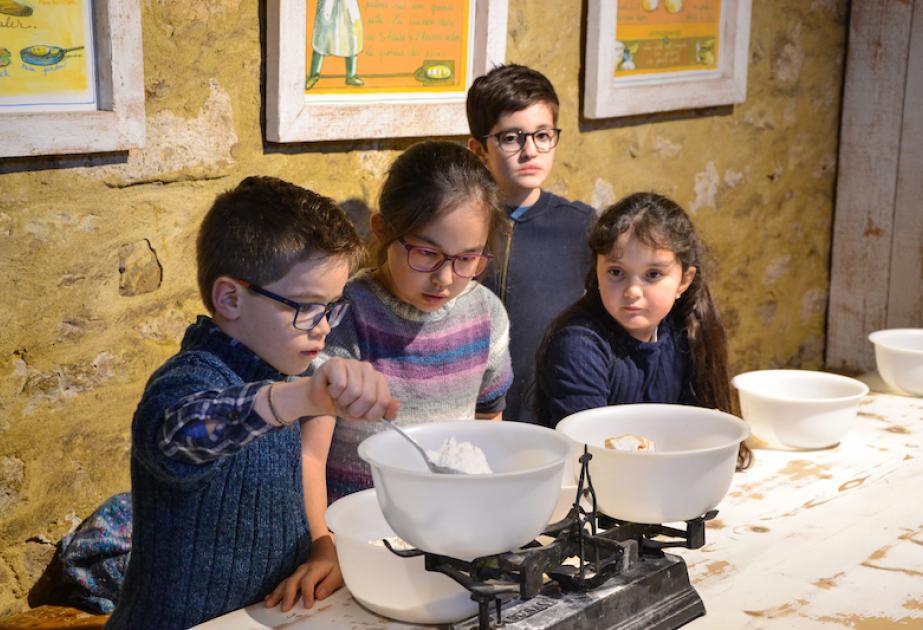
point(605, 98)
point(290, 118)
point(118, 124)
point(805, 539)
point(821, 539)
point(877, 260)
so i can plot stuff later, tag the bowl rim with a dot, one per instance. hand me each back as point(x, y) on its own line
point(736, 382)
point(878, 338)
point(461, 477)
point(574, 417)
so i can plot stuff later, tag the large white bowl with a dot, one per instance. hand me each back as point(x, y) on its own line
point(399, 588)
point(467, 516)
point(899, 356)
point(799, 408)
point(688, 474)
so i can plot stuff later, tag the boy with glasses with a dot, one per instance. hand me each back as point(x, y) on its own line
point(218, 509)
point(541, 267)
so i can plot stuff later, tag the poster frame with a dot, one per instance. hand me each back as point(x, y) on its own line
point(290, 118)
point(118, 123)
point(605, 97)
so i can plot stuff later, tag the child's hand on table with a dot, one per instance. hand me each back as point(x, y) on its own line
point(316, 579)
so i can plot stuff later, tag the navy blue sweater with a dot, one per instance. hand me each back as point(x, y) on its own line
point(540, 272)
point(592, 362)
point(208, 538)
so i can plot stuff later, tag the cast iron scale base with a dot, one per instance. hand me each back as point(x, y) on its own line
point(622, 578)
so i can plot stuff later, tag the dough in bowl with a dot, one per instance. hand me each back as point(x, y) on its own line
point(630, 442)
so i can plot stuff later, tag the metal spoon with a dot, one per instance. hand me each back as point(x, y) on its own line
point(434, 467)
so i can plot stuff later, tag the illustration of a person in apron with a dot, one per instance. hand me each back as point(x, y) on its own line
point(337, 31)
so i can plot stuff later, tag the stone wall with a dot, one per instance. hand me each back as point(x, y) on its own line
point(97, 267)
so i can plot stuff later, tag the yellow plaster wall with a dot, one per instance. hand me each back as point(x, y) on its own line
point(97, 253)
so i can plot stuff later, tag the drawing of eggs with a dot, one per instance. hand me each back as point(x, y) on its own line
point(440, 71)
point(673, 6)
point(5, 57)
point(435, 72)
point(649, 5)
point(42, 55)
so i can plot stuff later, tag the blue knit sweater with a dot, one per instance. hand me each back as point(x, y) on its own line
point(592, 362)
point(540, 272)
point(208, 538)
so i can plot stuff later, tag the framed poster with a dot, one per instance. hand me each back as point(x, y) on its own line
point(57, 75)
point(70, 76)
point(647, 56)
point(349, 69)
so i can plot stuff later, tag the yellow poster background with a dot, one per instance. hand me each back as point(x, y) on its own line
point(45, 55)
point(663, 36)
point(405, 46)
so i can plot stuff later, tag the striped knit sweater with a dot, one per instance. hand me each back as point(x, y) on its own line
point(212, 537)
point(444, 365)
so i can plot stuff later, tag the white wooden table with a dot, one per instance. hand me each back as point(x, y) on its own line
point(827, 538)
point(804, 539)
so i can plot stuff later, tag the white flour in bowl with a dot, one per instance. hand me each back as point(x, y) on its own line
point(463, 456)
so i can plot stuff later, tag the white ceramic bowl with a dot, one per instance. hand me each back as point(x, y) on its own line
point(467, 516)
point(399, 588)
point(899, 356)
point(799, 408)
point(687, 475)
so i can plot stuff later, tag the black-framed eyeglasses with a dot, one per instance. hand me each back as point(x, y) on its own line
point(309, 314)
point(513, 140)
point(428, 260)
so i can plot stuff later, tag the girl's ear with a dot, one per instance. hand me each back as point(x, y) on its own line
point(377, 224)
point(688, 277)
point(476, 147)
point(226, 293)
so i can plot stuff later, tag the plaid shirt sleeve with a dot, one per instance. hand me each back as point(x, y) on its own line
point(211, 424)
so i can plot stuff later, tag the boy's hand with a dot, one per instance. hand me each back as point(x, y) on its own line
point(317, 578)
point(353, 390)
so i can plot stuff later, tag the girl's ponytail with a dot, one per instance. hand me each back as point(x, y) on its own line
point(708, 354)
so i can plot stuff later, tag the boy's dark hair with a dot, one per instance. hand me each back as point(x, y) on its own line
point(660, 223)
point(505, 89)
point(428, 179)
point(259, 230)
